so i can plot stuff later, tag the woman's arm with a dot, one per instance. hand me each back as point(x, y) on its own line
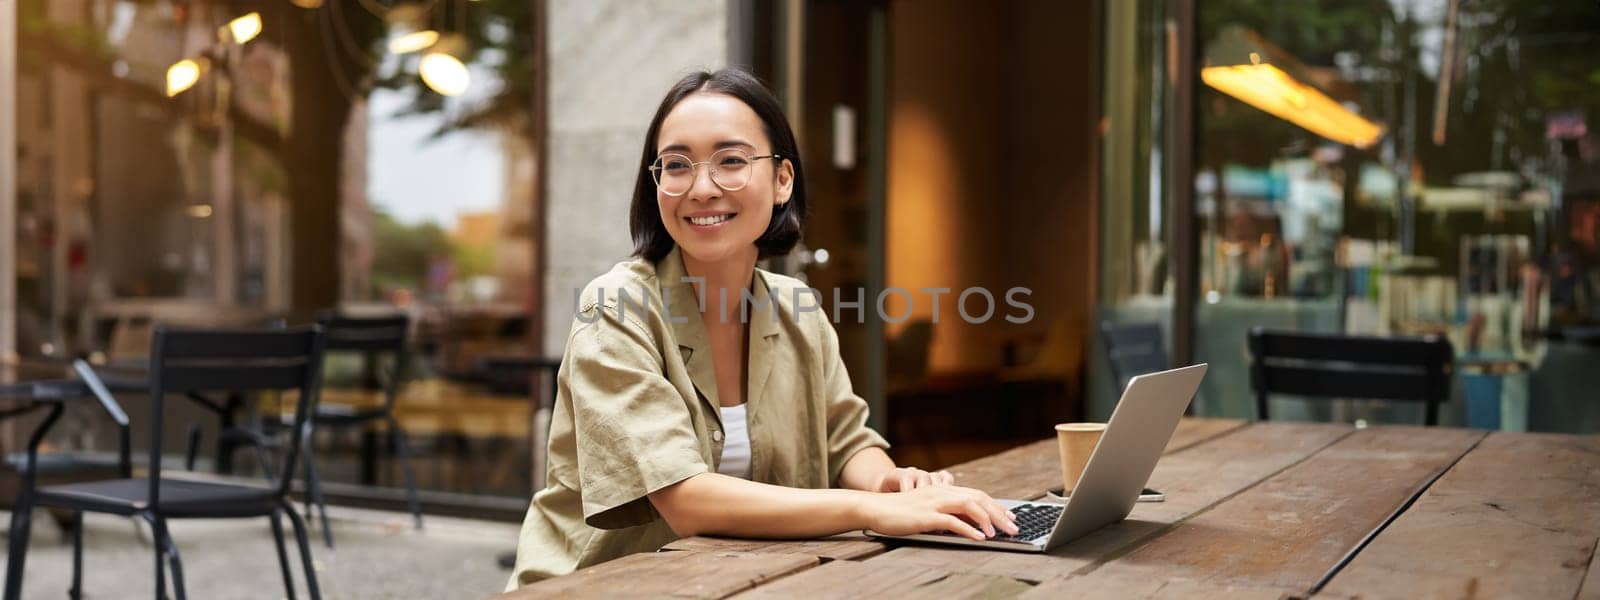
point(712, 503)
point(872, 470)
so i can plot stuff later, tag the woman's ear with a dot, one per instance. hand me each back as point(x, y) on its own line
point(785, 182)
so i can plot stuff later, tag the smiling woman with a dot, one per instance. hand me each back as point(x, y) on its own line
point(741, 424)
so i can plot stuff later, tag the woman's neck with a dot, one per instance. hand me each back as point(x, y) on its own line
point(722, 281)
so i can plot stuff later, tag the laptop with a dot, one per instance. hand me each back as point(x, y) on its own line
point(1135, 437)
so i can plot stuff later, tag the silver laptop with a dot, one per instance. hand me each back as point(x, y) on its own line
point(1140, 427)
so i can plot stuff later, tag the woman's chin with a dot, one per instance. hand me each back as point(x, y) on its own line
point(714, 253)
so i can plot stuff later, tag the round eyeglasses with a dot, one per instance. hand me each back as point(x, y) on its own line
point(730, 169)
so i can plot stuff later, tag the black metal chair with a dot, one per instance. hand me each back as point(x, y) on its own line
point(371, 336)
point(1133, 349)
point(184, 361)
point(53, 394)
point(1350, 367)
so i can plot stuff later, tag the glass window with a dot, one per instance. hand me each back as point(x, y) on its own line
point(1399, 167)
point(370, 157)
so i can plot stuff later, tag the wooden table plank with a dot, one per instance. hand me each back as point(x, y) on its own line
point(1518, 516)
point(1026, 472)
point(1144, 588)
point(849, 579)
point(1193, 480)
point(1591, 584)
point(1193, 430)
point(1286, 532)
point(675, 574)
point(845, 546)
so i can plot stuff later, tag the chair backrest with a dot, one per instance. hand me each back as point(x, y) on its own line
point(371, 336)
point(907, 353)
point(1133, 349)
point(1354, 367)
point(236, 361)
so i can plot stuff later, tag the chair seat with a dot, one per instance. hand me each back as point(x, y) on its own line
point(345, 416)
point(180, 498)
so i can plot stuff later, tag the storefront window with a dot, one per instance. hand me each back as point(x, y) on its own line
point(1135, 232)
point(1400, 168)
point(367, 157)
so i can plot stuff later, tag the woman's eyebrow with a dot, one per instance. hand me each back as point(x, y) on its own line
point(728, 143)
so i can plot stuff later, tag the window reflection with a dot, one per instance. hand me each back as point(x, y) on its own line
point(1403, 167)
point(196, 164)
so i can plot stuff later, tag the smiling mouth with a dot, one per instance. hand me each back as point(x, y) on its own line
point(710, 220)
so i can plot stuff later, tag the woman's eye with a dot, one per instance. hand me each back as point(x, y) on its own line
point(674, 165)
point(733, 162)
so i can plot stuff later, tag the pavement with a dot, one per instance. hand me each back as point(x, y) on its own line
point(377, 554)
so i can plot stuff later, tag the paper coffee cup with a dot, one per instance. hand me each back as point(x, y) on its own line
point(1077, 442)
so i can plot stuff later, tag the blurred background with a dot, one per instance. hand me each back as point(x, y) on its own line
point(1375, 167)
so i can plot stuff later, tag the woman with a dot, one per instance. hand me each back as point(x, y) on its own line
point(694, 397)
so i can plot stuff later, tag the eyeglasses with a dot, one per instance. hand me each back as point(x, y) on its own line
point(730, 169)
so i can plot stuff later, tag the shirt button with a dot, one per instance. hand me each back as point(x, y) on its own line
point(716, 436)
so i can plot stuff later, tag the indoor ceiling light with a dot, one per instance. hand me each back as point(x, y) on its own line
point(181, 76)
point(444, 73)
point(1242, 65)
point(246, 27)
point(413, 42)
point(442, 68)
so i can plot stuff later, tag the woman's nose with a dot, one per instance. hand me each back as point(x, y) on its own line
point(704, 188)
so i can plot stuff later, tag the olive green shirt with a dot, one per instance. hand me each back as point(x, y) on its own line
point(637, 410)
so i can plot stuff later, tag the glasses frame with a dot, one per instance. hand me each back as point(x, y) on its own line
point(694, 170)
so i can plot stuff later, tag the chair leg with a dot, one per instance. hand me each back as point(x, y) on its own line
point(305, 550)
point(158, 532)
point(17, 544)
point(174, 562)
point(193, 447)
point(310, 474)
point(76, 592)
point(403, 450)
point(283, 555)
point(265, 462)
point(314, 494)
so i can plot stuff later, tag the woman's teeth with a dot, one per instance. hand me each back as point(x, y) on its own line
point(713, 220)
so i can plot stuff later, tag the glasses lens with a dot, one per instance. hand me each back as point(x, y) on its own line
point(673, 173)
point(731, 169)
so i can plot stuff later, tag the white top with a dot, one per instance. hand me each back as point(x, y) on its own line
point(735, 443)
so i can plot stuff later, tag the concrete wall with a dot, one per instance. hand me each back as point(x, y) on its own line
point(610, 63)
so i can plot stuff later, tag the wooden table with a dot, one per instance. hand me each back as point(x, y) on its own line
point(1265, 510)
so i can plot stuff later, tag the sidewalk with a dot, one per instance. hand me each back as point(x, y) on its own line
point(377, 555)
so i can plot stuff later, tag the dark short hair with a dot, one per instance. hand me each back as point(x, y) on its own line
point(650, 238)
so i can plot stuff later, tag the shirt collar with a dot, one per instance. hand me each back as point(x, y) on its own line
point(683, 306)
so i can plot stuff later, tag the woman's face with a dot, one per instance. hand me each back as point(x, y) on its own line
point(710, 224)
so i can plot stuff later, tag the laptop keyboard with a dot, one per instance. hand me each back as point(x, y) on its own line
point(1034, 521)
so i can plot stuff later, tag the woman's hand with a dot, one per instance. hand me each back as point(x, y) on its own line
point(905, 479)
point(964, 511)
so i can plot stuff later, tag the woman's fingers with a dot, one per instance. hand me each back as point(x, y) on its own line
point(959, 527)
point(908, 481)
point(1002, 518)
point(924, 478)
point(980, 517)
point(943, 478)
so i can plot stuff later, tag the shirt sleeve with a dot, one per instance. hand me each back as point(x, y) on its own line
point(847, 412)
point(634, 434)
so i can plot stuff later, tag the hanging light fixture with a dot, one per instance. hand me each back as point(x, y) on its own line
point(1241, 64)
point(182, 75)
point(441, 67)
point(413, 42)
point(245, 27)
